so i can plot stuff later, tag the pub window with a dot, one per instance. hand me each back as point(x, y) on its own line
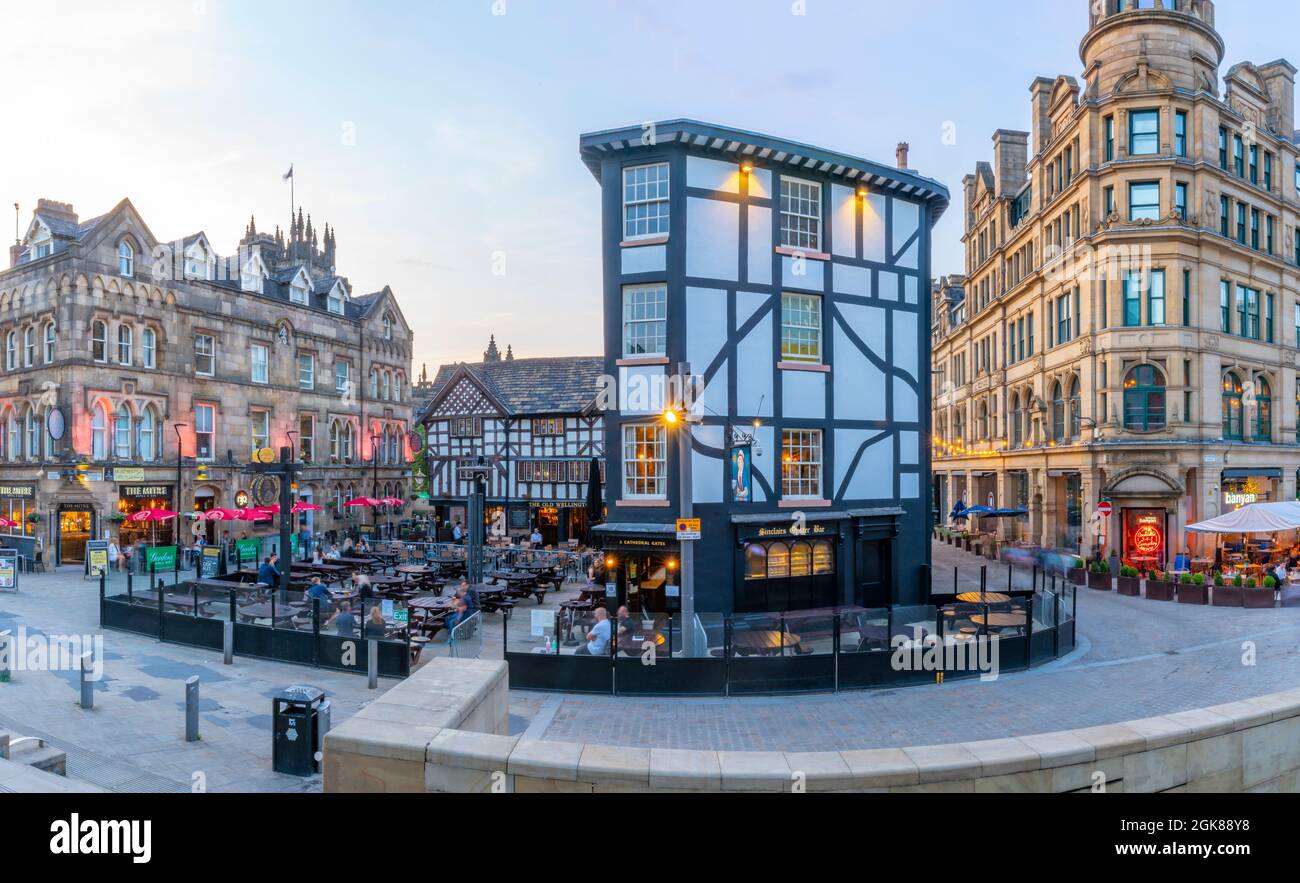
point(467, 427)
point(122, 433)
point(33, 427)
point(11, 351)
point(801, 328)
point(99, 341)
point(149, 347)
point(148, 433)
point(306, 371)
point(1144, 201)
point(205, 426)
point(801, 214)
point(307, 438)
point(801, 464)
point(1144, 399)
point(125, 259)
point(779, 560)
point(98, 432)
point(1144, 133)
point(261, 363)
point(29, 346)
point(645, 320)
point(645, 201)
point(342, 372)
point(645, 464)
point(49, 335)
point(205, 355)
point(261, 422)
point(1263, 429)
point(124, 342)
point(14, 431)
point(1232, 392)
point(548, 426)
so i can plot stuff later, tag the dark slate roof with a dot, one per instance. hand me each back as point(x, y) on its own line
point(65, 229)
point(563, 385)
point(779, 154)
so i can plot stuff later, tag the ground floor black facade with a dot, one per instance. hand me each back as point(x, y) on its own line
point(771, 562)
point(560, 524)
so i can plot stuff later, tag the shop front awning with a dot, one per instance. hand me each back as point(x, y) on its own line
point(1253, 519)
point(1253, 472)
point(636, 529)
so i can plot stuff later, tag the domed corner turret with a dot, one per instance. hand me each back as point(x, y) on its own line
point(1164, 43)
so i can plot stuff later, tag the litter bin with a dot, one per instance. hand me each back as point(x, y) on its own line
point(295, 729)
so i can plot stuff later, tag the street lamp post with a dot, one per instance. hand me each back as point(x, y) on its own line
point(180, 459)
point(679, 420)
point(374, 456)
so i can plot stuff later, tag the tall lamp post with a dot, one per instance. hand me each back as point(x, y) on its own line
point(180, 459)
point(680, 420)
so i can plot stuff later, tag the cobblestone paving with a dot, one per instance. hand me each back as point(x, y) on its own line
point(134, 737)
point(1135, 659)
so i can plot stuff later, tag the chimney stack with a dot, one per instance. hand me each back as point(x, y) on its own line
point(1010, 162)
point(1041, 90)
point(903, 148)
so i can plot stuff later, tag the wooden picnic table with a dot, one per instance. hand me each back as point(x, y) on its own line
point(415, 570)
point(999, 620)
point(263, 610)
point(763, 642)
point(986, 598)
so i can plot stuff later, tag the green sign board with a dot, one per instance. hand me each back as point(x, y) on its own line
point(160, 557)
point(293, 544)
point(248, 550)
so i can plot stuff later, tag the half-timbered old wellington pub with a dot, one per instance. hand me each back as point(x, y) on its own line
point(536, 423)
point(793, 282)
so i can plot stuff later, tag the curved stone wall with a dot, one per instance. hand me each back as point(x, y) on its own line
point(443, 730)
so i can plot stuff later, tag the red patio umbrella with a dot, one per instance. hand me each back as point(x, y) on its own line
point(364, 501)
point(5, 522)
point(152, 517)
point(307, 507)
point(391, 501)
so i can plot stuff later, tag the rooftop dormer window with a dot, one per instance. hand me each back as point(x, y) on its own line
point(298, 292)
point(253, 275)
point(335, 302)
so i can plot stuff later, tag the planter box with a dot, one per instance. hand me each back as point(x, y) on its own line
point(1194, 594)
point(1130, 586)
point(1227, 596)
point(1258, 599)
point(1077, 575)
point(1158, 591)
point(1099, 581)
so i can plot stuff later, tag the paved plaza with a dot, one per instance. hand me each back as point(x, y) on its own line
point(1135, 659)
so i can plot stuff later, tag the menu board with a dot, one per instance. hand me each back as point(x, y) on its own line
point(9, 569)
point(97, 557)
point(210, 564)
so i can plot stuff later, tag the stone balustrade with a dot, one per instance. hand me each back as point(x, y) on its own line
point(444, 730)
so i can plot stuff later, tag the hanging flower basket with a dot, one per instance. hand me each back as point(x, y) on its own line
point(35, 518)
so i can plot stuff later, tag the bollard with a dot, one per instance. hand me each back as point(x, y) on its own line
point(6, 656)
point(87, 687)
point(192, 709)
point(228, 642)
point(322, 727)
point(372, 663)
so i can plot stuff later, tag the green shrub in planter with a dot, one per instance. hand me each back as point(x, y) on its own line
point(1238, 582)
point(1099, 567)
point(1199, 579)
point(1187, 579)
point(1128, 572)
point(1250, 583)
point(1218, 579)
point(1270, 582)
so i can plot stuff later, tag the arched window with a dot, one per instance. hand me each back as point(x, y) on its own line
point(49, 335)
point(122, 434)
point(15, 436)
point(11, 351)
point(335, 450)
point(1017, 422)
point(1058, 413)
point(29, 346)
point(148, 426)
point(98, 433)
point(125, 259)
point(397, 387)
point(800, 560)
point(388, 326)
point(33, 426)
point(1144, 399)
point(982, 424)
point(387, 386)
point(124, 344)
point(1232, 392)
point(1075, 405)
point(1263, 429)
point(149, 347)
point(99, 341)
point(778, 561)
point(374, 384)
point(395, 455)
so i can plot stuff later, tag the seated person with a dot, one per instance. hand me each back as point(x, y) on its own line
point(626, 624)
point(361, 585)
point(334, 554)
point(267, 574)
point(318, 557)
point(598, 637)
point(318, 592)
point(376, 627)
point(343, 622)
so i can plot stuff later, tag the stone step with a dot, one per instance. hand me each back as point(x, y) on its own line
point(33, 753)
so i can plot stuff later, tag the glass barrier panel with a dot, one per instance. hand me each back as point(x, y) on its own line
point(707, 638)
point(253, 605)
point(960, 621)
point(864, 631)
point(641, 633)
point(291, 611)
point(913, 623)
point(809, 633)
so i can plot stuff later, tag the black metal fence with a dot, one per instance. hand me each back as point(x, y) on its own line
point(984, 634)
point(278, 625)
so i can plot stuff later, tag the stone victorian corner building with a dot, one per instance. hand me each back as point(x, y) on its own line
point(122, 352)
point(790, 279)
point(1127, 324)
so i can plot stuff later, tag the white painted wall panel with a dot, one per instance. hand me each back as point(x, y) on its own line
point(855, 281)
point(844, 216)
point(642, 390)
point(888, 286)
point(747, 304)
point(759, 245)
point(803, 274)
point(906, 408)
point(906, 343)
point(754, 364)
point(706, 326)
point(710, 174)
point(712, 239)
point(646, 259)
point(873, 228)
point(803, 395)
point(907, 221)
point(859, 389)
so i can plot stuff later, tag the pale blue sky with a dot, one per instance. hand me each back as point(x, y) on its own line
point(466, 123)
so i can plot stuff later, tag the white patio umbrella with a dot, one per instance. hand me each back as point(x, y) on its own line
point(1257, 518)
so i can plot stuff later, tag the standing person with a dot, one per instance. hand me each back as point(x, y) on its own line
point(200, 542)
point(536, 537)
point(343, 622)
point(115, 560)
point(457, 534)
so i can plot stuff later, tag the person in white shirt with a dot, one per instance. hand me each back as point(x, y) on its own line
point(114, 555)
point(598, 637)
point(536, 538)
